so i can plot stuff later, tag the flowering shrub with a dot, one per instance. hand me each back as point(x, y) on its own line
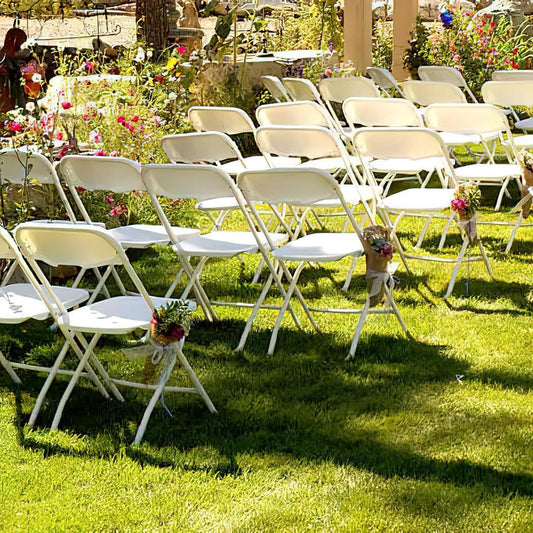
point(474, 44)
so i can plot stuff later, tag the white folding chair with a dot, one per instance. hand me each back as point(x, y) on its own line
point(445, 74)
point(275, 88)
point(91, 246)
point(478, 120)
point(389, 112)
point(424, 93)
point(335, 90)
point(512, 75)
point(509, 94)
point(384, 80)
point(201, 182)
point(233, 121)
point(304, 188)
point(415, 143)
point(302, 89)
point(20, 302)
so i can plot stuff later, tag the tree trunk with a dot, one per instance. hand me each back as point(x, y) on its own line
point(152, 23)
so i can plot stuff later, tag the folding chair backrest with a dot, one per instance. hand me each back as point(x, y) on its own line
point(512, 75)
point(508, 93)
point(18, 166)
point(312, 142)
point(301, 89)
point(199, 147)
point(82, 245)
point(302, 113)
point(8, 247)
point(391, 112)
point(275, 88)
point(431, 92)
point(105, 173)
point(202, 182)
point(383, 79)
point(298, 186)
point(338, 89)
point(466, 118)
point(229, 120)
point(441, 73)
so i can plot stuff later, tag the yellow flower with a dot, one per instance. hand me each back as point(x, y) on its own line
point(172, 62)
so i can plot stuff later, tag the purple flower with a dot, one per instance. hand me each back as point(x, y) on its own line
point(300, 71)
point(330, 46)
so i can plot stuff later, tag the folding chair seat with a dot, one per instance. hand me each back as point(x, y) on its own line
point(478, 120)
point(233, 121)
point(303, 188)
point(447, 75)
point(201, 182)
point(93, 247)
point(389, 112)
point(414, 143)
point(274, 86)
point(335, 90)
point(20, 302)
point(384, 80)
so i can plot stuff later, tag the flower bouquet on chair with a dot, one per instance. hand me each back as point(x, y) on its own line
point(526, 182)
point(170, 322)
point(465, 204)
point(378, 254)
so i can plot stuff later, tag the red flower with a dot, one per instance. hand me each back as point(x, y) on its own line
point(515, 51)
point(110, 200)
point(80, 189)
point(62, 152)
point(386, 250)
point(15, 126)
point(66, 105)
point(135, 118)
point(181, 49)
point(458, 204)
point(58, 135)
point(118, 210)
point(159, 79)
point(85, 117)
point(120, 119)
point(115, 71)
point(90, 66)
point(514, 64)
point(100, 152)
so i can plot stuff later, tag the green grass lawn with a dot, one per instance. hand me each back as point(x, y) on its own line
point(430, 434)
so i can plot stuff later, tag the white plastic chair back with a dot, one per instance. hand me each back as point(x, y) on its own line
point(399, 143)
point(508, 93)
point(312, 142)
point(202, 182)
point(512, 75)
point(302, 113)
point(81, 245)
point(199, 147)
point(466, 118)
point(338, 89)
point(432, 92)
point(383, 79)
point(301, 89)
point(6, 249)
point(104, 173)
point(297, 186)
point(392, 112)
point(275, 88)
point(229, 120)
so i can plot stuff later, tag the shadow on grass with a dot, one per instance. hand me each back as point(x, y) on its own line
point(304, 402)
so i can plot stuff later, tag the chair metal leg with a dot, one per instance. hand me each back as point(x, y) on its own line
point(5, 363)
point(513, 233)
point(74, 380)
point(458, 263)
point(358, 330)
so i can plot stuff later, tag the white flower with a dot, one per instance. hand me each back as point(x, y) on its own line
point(149, 54)
point(37, 78)
point(172, 95)
point(30, 107)
point(172, 78)
point(141, 55)
point(95, 137)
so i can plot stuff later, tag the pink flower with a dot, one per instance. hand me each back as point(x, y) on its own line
point(85, 117)
point(110, 200)
point(135, 118)
point(15, 126)
point(58, 136)
point(90, 66)
point(114, 153)
point(458, 204)
point(62, 152)
point(181, 49)
point(119, 209)
point(120, 119)
point(386, 250)
point(95, 137)
point(156, 120)
point(100, 152)
point(66, 105)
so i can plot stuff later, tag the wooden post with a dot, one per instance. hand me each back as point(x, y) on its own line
point(404, 20)
point(358, 33)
